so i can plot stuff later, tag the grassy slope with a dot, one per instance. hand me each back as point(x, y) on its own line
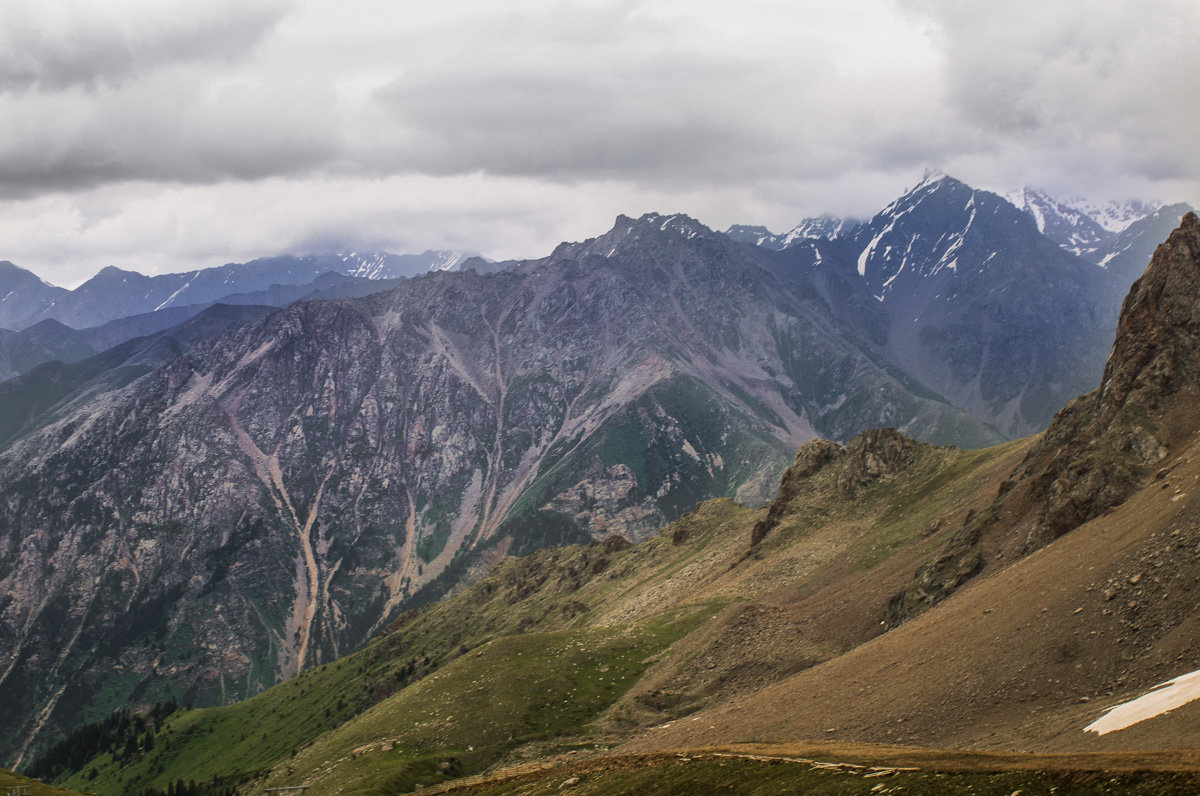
point(512, 691)
point(550, 592)
point(1023, 657)
point(549, 643)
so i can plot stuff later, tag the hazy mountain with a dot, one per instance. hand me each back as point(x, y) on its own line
point(1121, 235)
point(1133, 246)
point(114, 293)
point(51, 340)
point(384, 265)
point(1071, 225)
point(820, 227)
point(20, 351)
point(24, 296)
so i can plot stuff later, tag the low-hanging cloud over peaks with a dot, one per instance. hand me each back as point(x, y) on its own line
point(763, 112)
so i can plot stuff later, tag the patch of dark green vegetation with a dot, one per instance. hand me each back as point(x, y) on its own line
point(123, 736)
point(217, 786)
point(543, 528)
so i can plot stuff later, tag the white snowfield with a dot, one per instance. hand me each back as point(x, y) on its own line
point(1165, 697)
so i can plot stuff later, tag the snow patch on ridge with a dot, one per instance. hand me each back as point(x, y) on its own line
point(176, 293)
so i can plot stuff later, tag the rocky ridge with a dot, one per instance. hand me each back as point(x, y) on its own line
point(1103, 445)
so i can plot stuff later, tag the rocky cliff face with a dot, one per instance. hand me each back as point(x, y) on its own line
point(1102, 445)
point(265, 501)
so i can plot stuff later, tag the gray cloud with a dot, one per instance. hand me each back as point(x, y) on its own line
point(55, 44)
point(614, 93)
point(1097, 89)
point(164, 127)
point(149, 134)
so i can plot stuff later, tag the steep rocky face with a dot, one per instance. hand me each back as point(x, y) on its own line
point(268, 499)
point(1102, 445)
point(53, 390)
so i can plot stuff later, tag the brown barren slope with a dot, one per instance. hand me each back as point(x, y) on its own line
point(1028, 654)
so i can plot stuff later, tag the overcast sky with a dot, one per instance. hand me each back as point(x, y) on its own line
point(166, 135)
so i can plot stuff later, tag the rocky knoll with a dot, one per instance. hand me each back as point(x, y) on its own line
point(270, 498)
point(870, 457)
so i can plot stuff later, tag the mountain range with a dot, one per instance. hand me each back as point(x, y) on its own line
point(114, 293)
point(266, 490)
point(901, 617)
point(977, 301)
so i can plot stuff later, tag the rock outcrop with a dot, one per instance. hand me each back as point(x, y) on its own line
point(1102, 445)
point(872, 456)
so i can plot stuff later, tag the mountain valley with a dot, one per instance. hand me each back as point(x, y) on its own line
point(268, 490)
point(763, 643)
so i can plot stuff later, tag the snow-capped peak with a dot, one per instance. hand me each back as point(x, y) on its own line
point(931, 177)
point(367, 265)
point(448, 260)
point(1111, 216)
point(824, 227)
point(1118, 216)
point(676, 222)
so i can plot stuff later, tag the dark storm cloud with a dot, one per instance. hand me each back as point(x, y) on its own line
point(56, 45)
point(143, 132)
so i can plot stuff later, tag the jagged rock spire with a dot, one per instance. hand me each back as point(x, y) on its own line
point(1158, 334)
